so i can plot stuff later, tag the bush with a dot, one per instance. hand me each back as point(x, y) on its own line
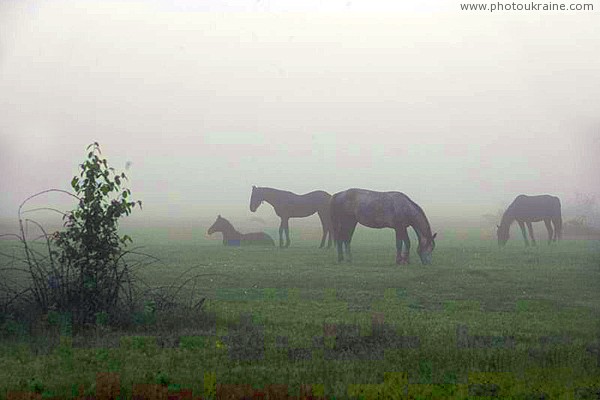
point(83, 273)
point(93, 274)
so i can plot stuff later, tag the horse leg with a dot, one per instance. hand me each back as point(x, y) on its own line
point(287, 233)
point(348, 251)
point(399, 241)
point(549, 228)
point(281, 233)
point(323, 238)
point(325, 230)
point(327, 225)
point(340, 250)
point(351, 228)
point(522, 226)
point(330, 239)
point(557, 227)
point(407, 247)
point(338, 233)
point(531, 233)
point(342, 239)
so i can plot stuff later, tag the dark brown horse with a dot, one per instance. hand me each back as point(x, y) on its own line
point(231, 237)
point(290, 205)
point(527, 209)
point(380, 210)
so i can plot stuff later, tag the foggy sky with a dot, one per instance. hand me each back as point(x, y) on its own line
point(462, 111)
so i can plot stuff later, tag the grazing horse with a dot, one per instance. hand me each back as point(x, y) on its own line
point(527, 209)
point(232, 237)
point(380, 210)
point(290, 205)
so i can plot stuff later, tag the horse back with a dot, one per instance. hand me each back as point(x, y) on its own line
point(257, 238)
point(320, 194)
point(535, 207)
point(373, 209)
point(299, 206)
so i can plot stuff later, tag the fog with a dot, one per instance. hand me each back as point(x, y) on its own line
point(462, 111)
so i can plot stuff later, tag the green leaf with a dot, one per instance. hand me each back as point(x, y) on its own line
point(124, 194)
point(74, 182)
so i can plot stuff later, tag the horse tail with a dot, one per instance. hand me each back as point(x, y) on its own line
point(269, 239)
point(558, 222)
point(331, 229)
point(329, 220)
point(325, 215)
point(335, 220)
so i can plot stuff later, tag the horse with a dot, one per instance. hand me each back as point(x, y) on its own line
point(381, 210)
point(527, 209)
point(290, 205)
point(231, 237)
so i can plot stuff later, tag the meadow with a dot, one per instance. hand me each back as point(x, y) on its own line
point(479, 321)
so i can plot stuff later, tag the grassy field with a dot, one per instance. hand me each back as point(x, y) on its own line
point(480, 321)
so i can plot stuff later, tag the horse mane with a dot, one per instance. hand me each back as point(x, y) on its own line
point(275, 190)
point(507, 217)
point(420, 210)
point(229, 224)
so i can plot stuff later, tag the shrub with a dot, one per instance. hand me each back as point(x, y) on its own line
point(93, 275)
point(83, 275)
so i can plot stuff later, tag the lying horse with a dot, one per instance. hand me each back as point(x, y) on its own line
point(231, 237)
point(527, 209)
point(380, 210)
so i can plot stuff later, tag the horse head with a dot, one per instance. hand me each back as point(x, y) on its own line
point(425, 249)
point(502, 234)
point(217, 226)
point(256, 199)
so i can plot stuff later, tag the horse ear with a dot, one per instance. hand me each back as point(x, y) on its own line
point(498, 226)
point(434, 235)
point(219, 216)
point(253, 187)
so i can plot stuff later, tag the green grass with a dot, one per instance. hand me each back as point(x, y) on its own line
point(531, 295)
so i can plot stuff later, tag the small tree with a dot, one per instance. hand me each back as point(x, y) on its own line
point(493, 219)
point(90, 250)
point(86, 273)
point(585, 210)
point(83, 274)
